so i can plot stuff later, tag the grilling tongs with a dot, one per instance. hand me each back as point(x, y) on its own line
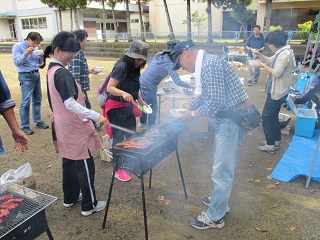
point(123, 129)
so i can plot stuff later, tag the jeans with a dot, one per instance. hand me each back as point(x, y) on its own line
point(150, 97)
point(253, 73)
point(30, 84)
point(228, 137)
point(270, 119)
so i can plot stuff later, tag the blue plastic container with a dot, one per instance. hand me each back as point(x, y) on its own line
point(305, 119)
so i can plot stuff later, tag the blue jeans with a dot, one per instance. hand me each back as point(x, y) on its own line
point(150, 97)
point(227, 140)
point(270, 119)
point(30, 84)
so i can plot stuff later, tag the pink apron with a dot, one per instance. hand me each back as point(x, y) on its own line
point(75, 137)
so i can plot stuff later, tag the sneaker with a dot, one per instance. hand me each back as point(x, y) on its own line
point(267, 148)
point(42, 125)
point(249, 83)
point(27, 130)
point(142, 125)
point(122, 175)
point(206, 201)
point(277, 144)
point(204, 222)
point(67, 205)
point(100, 206)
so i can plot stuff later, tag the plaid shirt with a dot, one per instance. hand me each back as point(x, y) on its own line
point(80, 71)
point(221, 87)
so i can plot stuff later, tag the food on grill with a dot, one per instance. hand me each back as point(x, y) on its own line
point(5, 197)
point(131, 144)
point(6, 205)
point(15, 200)
point(4, 213)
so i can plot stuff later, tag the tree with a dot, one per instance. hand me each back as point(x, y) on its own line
point(103, 30)
point(143, 38)
point(189, 20)
point(268, 14)
point(168, 19)
point(198, 21)
point(128, 21)
point(112, 4)
point(243, 15)
point(209, 12)
point(73, 5)
point(56, 4)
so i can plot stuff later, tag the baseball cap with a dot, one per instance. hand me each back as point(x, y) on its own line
point(138, 49)
point(177, 50)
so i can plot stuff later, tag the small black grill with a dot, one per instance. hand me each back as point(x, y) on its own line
point(139, 161)
point(28, 220)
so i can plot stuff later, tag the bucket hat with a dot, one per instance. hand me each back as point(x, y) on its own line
point(138, 49)
point(170, 46)
point(177, 51)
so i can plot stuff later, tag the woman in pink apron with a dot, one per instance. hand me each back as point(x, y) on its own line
point(73, 132)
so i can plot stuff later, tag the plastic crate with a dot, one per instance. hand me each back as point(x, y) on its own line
point(305, 119)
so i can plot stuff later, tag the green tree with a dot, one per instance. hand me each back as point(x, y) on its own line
point(243, 15)
point(198, 21)
point(56, 4)
point(168, 19)
point(73, 5)
point(268, 13)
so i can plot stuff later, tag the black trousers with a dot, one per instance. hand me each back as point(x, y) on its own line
point(270, 119)
point(79, 175)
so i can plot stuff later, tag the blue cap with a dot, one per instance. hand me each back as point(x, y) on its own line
point(177, 50)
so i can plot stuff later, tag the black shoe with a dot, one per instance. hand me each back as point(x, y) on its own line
point(27, 130)
point(42, 125)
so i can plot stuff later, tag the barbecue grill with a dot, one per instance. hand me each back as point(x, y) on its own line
point(28, 220)
point(139, 161)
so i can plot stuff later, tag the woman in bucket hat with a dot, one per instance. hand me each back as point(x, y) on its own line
point(124, 88)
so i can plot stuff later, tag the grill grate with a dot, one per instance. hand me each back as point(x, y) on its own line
point(33, 203)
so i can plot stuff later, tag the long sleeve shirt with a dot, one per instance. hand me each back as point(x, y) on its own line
point(221, 87)
point(159, 67)
point(5, 97)
point(80, 71)
point(25, 63)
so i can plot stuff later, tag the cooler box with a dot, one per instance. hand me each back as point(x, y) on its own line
point(305, 119)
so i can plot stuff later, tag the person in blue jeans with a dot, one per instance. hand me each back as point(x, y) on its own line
point(159, 67)
point(27, 64)
point(219, 89)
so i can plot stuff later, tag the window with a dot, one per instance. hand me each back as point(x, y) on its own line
point(109, 26)
point(136, 20)
point(34, 23)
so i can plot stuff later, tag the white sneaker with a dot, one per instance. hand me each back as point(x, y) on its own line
point(277, 144)
point(67, 205)
point(100, 206)
point(267, 148)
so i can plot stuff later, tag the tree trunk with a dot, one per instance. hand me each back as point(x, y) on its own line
point(268, 14)
point(71, 19)
point(76, 17)
point(143, 37)
point(60, 20)
point(114, 23)
point(189, 20)
point(168, 20)
point(128, 21)
point(209, 12)
point(104, 31)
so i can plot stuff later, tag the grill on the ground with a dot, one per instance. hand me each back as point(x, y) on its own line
point(140, 161)
point(28, 220)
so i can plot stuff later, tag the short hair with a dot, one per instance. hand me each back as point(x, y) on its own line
point(34, 36)
point(66, 42)
point(257, 26)
point(278, 38)
point(80, 34)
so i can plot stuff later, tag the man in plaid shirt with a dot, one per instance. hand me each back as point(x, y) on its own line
point(218, 89)
point(79, 67)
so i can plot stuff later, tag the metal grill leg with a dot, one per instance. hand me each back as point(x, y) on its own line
point(144, 208)
point(150, 178)
point(181, 174)
point(109, 197)
point(49, 234)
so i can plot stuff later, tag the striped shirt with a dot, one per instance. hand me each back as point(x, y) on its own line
point(221, 87)
point(80, 71)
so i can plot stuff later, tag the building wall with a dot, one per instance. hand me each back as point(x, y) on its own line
point(178, 13)
point(4, 30)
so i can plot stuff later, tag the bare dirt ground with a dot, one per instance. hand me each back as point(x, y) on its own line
point(286, 212)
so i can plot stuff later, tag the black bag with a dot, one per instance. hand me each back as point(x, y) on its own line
point(246, 115)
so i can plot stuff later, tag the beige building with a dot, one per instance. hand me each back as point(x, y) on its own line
point(19, 17)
